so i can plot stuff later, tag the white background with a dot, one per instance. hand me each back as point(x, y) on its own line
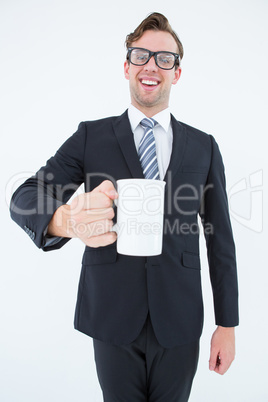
point(48, 85)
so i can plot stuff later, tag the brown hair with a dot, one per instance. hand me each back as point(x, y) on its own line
point(156, 22)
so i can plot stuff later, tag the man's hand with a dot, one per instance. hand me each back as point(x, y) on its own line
point(222, 351)
point(88, 217)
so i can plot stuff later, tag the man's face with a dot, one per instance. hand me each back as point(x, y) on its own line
point(153, 96)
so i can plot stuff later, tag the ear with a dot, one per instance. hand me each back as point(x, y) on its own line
point(126, 69)
point(177, 75)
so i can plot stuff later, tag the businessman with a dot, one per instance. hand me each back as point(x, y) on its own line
point(145, 314)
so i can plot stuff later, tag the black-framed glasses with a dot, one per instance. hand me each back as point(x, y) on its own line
point(165, 60)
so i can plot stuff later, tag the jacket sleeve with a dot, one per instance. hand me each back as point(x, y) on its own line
point(215, 218)
point(35, 201)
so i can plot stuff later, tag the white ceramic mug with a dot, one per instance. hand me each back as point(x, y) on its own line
point(140, 209)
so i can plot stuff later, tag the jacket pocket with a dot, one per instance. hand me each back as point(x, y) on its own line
point(191, 260)
point(99, 256)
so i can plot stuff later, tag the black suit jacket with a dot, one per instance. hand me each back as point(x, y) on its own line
point(117, 291)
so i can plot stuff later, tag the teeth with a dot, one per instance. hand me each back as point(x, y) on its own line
point(147, 82)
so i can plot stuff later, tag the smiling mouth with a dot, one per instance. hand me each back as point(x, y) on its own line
point(149, 82)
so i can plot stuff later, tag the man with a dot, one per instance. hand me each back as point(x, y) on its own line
point(144, 314)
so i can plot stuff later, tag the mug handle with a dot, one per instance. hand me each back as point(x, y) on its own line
point(115, 226)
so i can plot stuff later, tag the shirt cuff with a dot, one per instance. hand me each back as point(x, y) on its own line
point(50, 240)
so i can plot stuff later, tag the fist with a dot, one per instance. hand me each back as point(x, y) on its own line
point(91, 214)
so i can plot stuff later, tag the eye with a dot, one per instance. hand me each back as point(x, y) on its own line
point(166, 59)
point(140, 55)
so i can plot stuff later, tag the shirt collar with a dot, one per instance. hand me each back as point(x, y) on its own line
point(135, 116)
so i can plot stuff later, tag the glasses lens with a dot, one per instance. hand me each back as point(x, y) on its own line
point(166, 60)
point(139, 56)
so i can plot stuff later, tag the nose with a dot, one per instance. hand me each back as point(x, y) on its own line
point(151, 65)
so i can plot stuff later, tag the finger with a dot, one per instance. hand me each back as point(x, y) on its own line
point(85, 231)
point(223, 365)
point(92, 215)
point(107, 188)
point(102, 240)
point(213, 359)
point(97, 200)
point(99, 227)
point(91, 200)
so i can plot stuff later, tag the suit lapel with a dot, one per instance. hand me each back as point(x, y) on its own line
point(178, 148)
point(125, 139)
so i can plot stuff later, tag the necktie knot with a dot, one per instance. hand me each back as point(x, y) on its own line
point(148, 123)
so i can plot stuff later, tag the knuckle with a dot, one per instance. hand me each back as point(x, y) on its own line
point(112, 237)
point(111, 213)
point(91, 243)
point(106, 182)
point(106, 202)
point(110, 223)
point(103, 200)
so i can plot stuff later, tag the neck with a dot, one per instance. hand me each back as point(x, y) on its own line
point(149, 111)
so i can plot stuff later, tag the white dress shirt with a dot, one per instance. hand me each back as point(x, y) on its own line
point(162, 132)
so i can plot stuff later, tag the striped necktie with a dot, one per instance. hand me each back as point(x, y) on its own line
point(147, 150)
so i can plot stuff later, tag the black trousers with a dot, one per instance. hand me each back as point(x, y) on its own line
point(144, 371)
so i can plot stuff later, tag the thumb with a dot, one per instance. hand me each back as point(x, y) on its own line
point(107, 188)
